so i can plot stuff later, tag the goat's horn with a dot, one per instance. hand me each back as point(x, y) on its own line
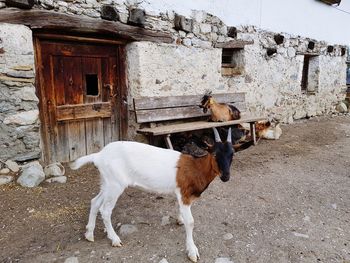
point(217, 136)
point(229, 138)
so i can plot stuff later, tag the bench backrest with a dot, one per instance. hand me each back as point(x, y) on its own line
point(155, 109)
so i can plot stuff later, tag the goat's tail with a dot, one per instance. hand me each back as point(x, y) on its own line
point(82, 161)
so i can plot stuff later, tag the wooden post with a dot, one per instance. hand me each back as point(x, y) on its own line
point(252, 131)
point(168, 142)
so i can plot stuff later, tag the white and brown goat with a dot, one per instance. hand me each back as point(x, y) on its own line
point(122, 164)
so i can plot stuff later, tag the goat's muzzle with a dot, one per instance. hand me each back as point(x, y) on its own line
point(225, 177)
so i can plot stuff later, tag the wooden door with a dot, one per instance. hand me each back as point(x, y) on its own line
point(81, 97)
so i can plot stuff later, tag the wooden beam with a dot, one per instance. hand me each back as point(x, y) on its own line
point(234, 44)
point(82, 111)
point(311, 54)
point(49, 20)
point(196, 125)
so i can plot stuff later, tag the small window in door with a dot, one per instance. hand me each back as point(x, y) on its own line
point(91, 82)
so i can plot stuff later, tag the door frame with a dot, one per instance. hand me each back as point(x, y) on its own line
point(121, 89)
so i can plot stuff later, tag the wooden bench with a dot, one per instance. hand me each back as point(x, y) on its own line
point(160, 116)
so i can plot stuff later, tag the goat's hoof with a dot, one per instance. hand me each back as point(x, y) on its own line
point(180, 221)
point(117, 244)
point(194, 254)
point(193, 258)
point(89, 237)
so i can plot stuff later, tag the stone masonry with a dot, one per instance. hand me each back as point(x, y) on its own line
point(19, 115)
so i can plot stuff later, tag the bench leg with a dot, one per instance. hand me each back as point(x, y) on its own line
point(168, 142)
point(252, 132)
point(151, 140)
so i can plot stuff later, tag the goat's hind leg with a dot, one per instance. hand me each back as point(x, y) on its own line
point(110, 197)
point(96, 202)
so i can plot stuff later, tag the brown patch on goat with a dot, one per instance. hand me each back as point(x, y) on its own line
point(194, 175)
point(219, 111)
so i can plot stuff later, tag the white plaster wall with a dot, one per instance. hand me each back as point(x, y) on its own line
point(168, 70)
point(308, 18)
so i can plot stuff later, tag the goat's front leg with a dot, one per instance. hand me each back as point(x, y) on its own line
point(185, 211)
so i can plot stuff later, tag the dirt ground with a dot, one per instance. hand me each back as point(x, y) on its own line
point(287, 201)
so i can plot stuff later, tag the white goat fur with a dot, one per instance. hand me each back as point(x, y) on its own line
point(122, 164)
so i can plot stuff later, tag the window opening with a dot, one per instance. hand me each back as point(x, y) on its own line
point(311, 45)
point(279, 39)
point(91, 82)
point(271, 51)
point(310, 74)
point(232, 61)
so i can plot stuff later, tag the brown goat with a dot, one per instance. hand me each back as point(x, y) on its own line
point(219, 111)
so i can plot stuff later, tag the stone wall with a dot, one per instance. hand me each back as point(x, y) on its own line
point(271, 78)
point(19, 122)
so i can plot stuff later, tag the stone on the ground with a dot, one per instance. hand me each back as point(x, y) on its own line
point(300, 235)
point(32, 175)
point(4, 171)
point(54, 169)
point(57, 179)
point(165, 220)
point(163, 261)
point(13, 166)
point(223, 260)
point(228, 236)
point(71, 260)
point(341, 107)
point(127, 229)
point(5, 179)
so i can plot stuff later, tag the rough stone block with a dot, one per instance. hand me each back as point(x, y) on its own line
point(183, 23)
point(20, 74)
point(27, 94)
point(28, 156)
point(54, 169)
point(4, 171)
point(223, 30)
point(13, 166)
point(137, 17)
point(58, 179)
point(205, 28)
point(24, 4)
point(341, 107)
point(108, 12)
point(32, 175)
point(23, 118)
point(5, 179)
